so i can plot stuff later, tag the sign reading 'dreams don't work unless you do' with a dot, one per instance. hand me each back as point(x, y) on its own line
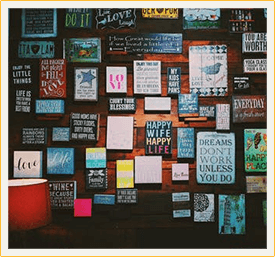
point(115, 18)
point(49, 106)
point(23, 100)
point(39, 23)
point(173, 80)
point(255, 65)
point(186, 142)
point(127, 104)
point(249, 108)
point(254, 43)
point(32, 136)
point(126, 196)
point(147, 77)
point(36, 49)
point(152, 43)
point(116, 79)
point(61, 134)
point(84, 126)
point(78, 18)
point(22, 74)
point(215, 158)
point(86, 84)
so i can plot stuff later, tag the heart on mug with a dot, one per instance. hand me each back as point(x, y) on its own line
point(35, 48)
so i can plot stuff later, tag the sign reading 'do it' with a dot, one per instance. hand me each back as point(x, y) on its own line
point(215, 158)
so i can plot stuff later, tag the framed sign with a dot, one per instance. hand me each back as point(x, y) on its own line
point(157, 104)
point(96, 179)
point(115, 18)
point(249, 108)
point(127, 196)
point(22, 74)
point(86, 84)
point(255, 65)
point(78, 18)
point(53, 82)
point(208, 70)
point(82, 50)
point(256, 184)
point(186, 143)
point(127, 104)
point(147, 77)
point(61, 134)
point(254, 43)
point(151, 43)
point(255, 150)
point(204, 208)
point(215, 158)
point(160, 13)
point(124, 174)
point(188, 105)
point(36, 49)
point(34, 136)
point(39, 23)
point(173, 80)
point(116, 79)
point(208, 111)
point(23, 99)
point(96, 157)
point(49, 106)
point(222, 116)
point(180, 171)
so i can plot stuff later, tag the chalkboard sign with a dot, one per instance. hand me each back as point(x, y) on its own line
point(52, 78)
point(84, 126)
point(160, 13)
point(78, 18)
point(49, 106)
point(153, 43)
point(62, 194)
point(96, 179)
point(22, 74)
point(207, 111)
point(86, 84)
point(104, 199)
point(126, 196)
point(250, 108)
point(122, 104)
point(173, 80)
point(36, 49)
point(23, 99)
point(188, 105)
point(215, 158)
point(222, 116)
point(255, 65)
point(241, 84)
point(34, 136)
point(39, 23)
point(116, 79)
point(115, 18)
point(254, 43)
point(186, 142)
point(61, 134)
point(158, 137)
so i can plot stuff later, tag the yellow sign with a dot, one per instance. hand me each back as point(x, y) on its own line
point(160, 13)
point(125, 173)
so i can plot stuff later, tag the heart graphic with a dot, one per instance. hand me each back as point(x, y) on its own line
point(35, 48)
point(159, 10)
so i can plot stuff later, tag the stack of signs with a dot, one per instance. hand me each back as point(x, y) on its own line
point(173, 80)
point(159, 137)
point(204, 207)
point(62, 194)
point(86, 84)
point(52, 78)
point(147, 77)
point(82, 207)
point(104, 199)
point(36, 49)
point(127, 104)
point(120, 131)
point(116, 79)
point(84, 126)
point(188, 105)
point(126, 196)
point(256, 184)
point(181, 205)
point(61, 134)
point(250, 108)
point(254, 43)
point(148, 169)
point(124, 174)
point(27, 164)
point(201, 18)
point(78, 18)
point(180, 171)
point(255, 150)
point(96, 172)
point(82, 50)
point(60, 161)
point(215, 158)
point(186, 143)
point(34, 136)
point(222, 116)
point(232, 214)
point(208, 70)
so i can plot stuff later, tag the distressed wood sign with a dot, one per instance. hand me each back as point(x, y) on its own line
point(188, 105)
point(208, 70)
point(115, 18)
point(116, 79)
point(61, 134)
point(86, 84)
point(127, 104)
point(158, 137)
point(256, 184)
point(173, 80)
point(96, 179)
point(255, 65)
point(104, 199)
point(180, 171)
point(84, 126)
point(96, 157)
point(62, 194)
point(153, 43)
point(208, 111)
point(60, 161)
point(201, 18)
point(23, 99)
point(241, 84)
point(27, 164)
point(223, 116)
point(254, 43)
point(124, 174)
point(53, 82)
point(34, 136)
point(82, 50)
point(78, 18)
point(186, 143)
point(147, 77)
point(160, 13)
point(157, 104)
point(215, 158)
point(36, 49)
point(204, 208)
point(250, 108)
point(39, 23)
point(255, 150)
point(127, 196)
point(22, 74)
point(49, 106)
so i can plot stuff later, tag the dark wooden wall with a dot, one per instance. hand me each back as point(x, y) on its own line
point(149, 224)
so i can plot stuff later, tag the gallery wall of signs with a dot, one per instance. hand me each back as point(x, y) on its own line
point(111, 108)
